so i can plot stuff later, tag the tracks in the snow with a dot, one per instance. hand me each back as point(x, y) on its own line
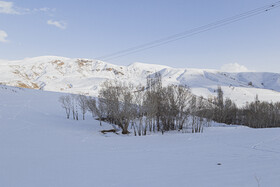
point(260, 146)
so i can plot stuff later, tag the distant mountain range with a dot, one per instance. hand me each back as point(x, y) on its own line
point(84, 76)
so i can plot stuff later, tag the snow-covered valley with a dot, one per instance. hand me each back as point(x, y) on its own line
point(172, 94)
point(40, 147)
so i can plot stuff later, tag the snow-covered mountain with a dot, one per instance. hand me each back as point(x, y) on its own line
point(84, 76)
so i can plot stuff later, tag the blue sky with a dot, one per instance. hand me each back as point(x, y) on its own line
point(91, 28)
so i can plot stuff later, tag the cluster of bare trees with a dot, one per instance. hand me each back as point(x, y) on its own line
point(154, 108)
point(72, 104)
point(141, 109)
point(260, 114)
point(257, 114)
point(150, 108)
point(167, 108)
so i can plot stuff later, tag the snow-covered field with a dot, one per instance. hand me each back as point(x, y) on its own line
point(39, 147)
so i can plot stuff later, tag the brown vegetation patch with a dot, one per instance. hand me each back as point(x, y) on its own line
point(82, 62)
point(58, 62)
point(35, 86)
point(23, 85)
point(16, 71)
point(116, 72)
point(24, 75)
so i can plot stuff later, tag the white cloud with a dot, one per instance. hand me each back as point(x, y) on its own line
point(3, 36)
point(234, 67)
point(7, 7)
point(59, 24)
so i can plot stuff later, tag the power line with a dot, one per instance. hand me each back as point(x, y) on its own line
point(172, 40)
point(191, 32)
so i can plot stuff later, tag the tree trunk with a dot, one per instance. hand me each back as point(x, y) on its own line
point(125, 131)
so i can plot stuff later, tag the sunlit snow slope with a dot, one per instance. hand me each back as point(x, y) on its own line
point(40, 147)
point(84, 76)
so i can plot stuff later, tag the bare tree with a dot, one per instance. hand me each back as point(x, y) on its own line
point(74, 107)
point(116, 100)
point(220, 105)
point(66, 104)
point(82, 102)
point(183, 99)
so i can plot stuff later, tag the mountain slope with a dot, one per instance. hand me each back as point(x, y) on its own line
point(84, 76)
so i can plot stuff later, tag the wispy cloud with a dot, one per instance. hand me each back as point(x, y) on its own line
point(46, 10)
point(59, 24)
point(3, 36)
point(7, 7)
point(234, 67)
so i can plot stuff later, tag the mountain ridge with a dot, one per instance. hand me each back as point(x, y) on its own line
point(84, 76)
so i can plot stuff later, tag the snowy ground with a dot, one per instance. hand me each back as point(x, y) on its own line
point(39, 147)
